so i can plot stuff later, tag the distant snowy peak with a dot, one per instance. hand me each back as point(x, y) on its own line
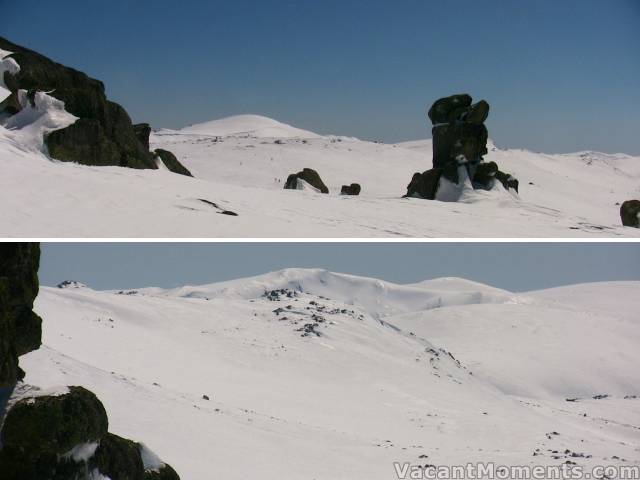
point(248, 125)
point(71, 284)
point(377, 297)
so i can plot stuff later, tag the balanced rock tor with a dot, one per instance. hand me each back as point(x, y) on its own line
point(459, 141)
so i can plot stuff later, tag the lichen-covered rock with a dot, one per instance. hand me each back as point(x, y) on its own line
point(105, 122)
point(118, 458)
point(54, 424)
point(308, 175)
point(171, 162)
point(630, 213)
point(353, 189)
point(20, 327)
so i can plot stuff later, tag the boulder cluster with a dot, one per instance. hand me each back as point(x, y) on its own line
point(103, 134)
point(311, 177)
point(459, 144)
point(62, 435)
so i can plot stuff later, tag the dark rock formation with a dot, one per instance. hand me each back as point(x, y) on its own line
point(102, 135)
point(103, 125)
point(507, 181)
point(142, 131)
point(308, 175)
point(424, 185)
point(485, 174)
point(353, 189)
point(53, 425)
point(171, 162)
point(459, 138)
point(458, 129)
point(20, 327)
point(630, 213)
point(58, 436)
point(117, 457)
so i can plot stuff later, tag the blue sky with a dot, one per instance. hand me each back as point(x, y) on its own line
point(513, 266)
point(559, 75)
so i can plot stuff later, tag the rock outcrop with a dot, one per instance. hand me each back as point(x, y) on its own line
point(60, 435)
point(308, 175)
point(171, 162)
point(630, 213)
point(459, 140)
point(20, 326)
point(353, 189)
point(103, 134)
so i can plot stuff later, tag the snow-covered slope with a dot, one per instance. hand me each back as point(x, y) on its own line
point(240, 164)
point(311, 374)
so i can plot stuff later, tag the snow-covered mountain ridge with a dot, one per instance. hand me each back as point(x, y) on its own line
point(313, 374)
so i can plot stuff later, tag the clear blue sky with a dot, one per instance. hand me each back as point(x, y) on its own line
point(513, 266)
point(559, 75)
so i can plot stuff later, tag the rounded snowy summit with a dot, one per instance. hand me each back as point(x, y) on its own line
point(251, 125)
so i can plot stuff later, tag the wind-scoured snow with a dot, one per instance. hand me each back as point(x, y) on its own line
point(240, 168)
point(7, 64)
point(312, 374)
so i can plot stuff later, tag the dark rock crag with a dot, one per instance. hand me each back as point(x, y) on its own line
point(353, 189)
point(57, 436)
point(459, 139)
point(103, 134)
point(308, 175)
point(20, 327)
point(630, 213)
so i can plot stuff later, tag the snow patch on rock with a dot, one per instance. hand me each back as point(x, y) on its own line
point(150, 461)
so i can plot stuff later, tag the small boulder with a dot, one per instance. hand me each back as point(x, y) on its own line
point(508, 181)
point(424, 185)
point(353, 189)
point(308, 175)
point(630, 213)
point(142, 131)
point(171, 162)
